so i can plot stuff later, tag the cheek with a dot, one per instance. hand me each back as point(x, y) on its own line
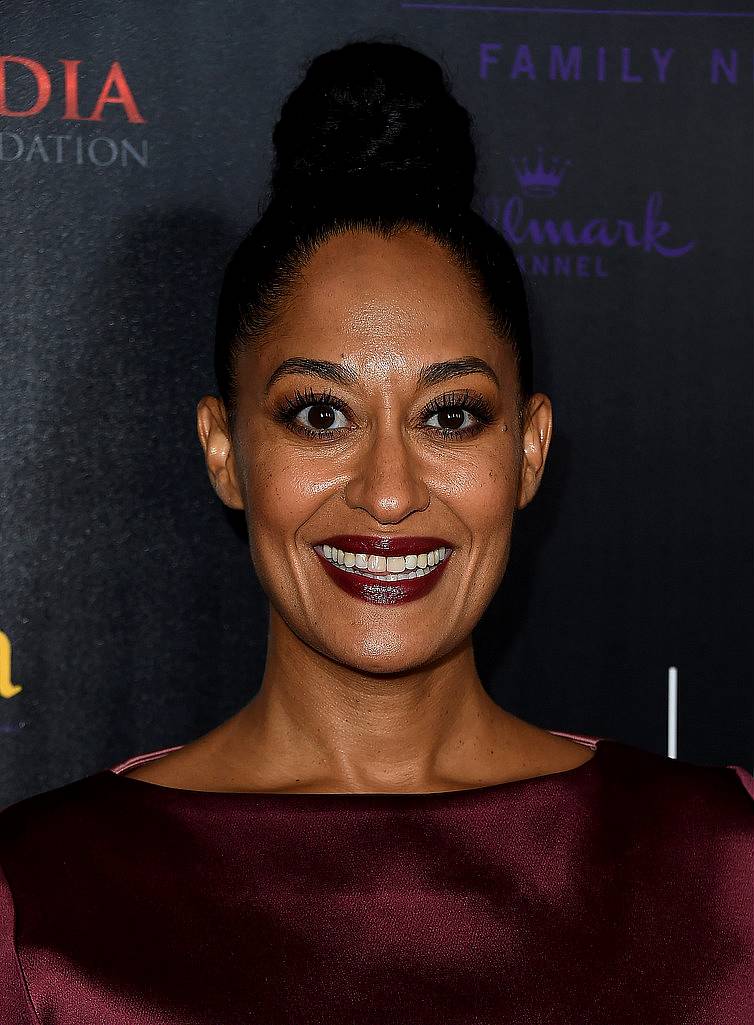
point(479, 484)
point(282, 492)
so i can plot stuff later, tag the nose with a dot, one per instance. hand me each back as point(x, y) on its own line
point(387, 482)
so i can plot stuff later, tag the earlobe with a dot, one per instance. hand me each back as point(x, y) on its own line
point(214, 437)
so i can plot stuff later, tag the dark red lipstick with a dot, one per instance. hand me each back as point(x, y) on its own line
point(370, 588)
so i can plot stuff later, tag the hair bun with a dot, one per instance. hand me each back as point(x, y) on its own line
point(373, 116)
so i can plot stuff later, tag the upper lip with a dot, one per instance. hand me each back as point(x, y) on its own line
point(361, 544)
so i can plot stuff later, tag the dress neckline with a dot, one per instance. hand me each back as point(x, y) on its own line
point(584, 769)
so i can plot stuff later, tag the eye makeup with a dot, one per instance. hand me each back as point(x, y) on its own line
point(481, 409)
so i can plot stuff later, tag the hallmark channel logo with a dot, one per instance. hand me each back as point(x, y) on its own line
point(540, 180)
point(548, 244)
point(30, 91)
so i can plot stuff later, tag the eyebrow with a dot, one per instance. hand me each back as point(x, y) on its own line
point(434, 373)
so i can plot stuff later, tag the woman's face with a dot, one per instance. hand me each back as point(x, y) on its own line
point(343, 428)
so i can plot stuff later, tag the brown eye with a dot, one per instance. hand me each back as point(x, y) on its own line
point(450, 418)
point(451, 409)
point(319, 416)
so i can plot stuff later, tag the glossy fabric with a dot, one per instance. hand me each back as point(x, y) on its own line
point(616, 892)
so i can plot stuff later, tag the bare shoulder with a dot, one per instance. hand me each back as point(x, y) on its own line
point(544, 752)
point(191, 767)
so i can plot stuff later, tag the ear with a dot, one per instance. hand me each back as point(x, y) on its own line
point(535, 438)
point(214, 436)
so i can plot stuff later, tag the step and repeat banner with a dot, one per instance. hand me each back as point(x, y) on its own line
point(615, 144)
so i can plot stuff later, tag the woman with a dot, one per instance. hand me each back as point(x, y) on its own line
point(371, 838)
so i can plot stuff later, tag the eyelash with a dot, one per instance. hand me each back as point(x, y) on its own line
point(477, 405)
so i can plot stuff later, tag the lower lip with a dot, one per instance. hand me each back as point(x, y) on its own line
point(391, 592)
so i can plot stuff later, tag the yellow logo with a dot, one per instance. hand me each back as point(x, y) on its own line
point(7, 689)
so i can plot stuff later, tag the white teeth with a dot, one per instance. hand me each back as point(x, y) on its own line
point(387, 568)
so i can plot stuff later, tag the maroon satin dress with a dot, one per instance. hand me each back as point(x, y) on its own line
point(617, 892)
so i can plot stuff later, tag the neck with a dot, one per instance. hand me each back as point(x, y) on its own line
point(335, 728)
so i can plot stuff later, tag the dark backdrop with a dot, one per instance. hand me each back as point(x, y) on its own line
point(616, 153)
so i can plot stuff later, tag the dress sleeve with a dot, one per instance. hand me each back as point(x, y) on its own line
point(744, 777)
point(15, 1002)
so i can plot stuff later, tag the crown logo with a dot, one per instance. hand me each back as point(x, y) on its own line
point(540, 180)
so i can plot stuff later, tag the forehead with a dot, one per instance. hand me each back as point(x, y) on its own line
point(383, 305)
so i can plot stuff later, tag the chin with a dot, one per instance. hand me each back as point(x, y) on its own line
point(384, 654)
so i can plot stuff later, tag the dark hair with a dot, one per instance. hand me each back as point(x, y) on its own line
point(371, 140)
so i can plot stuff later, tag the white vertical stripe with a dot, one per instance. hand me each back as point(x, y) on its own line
point(672, 712)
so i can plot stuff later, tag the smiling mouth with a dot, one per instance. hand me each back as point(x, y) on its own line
point(385, 569)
